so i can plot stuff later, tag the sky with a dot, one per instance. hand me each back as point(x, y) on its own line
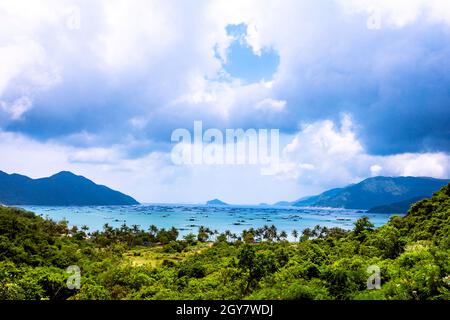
point(356, 88)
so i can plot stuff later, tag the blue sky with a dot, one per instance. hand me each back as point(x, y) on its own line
point(356, 88)
point(243, 63)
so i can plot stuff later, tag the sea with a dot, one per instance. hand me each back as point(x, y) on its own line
point(188, 218)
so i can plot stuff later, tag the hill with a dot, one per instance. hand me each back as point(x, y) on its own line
point(374, 192)
point(397, 207)
point(282, 203)
point(61, 189)
point(216, 202)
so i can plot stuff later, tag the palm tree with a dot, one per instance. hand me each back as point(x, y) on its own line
point(248, 236)
point(273, 232)
point(153, 230)
point(258, 234)
point(74, 230)
point(227, 234)
point(203, 234)
point(306, 234)
point(316, 231)
point(84, 229)
point(265, 232)
point(295, 234)
point(107, 230)
point(135, 228)
point(216, 233)
point(174, 233)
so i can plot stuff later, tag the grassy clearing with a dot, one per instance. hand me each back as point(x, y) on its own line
point(155, 256)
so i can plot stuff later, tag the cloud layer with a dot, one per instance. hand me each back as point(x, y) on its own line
point(362, 84)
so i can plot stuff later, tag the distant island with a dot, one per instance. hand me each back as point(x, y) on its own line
point(61, 189)
point(376, 194)
point(216, 202)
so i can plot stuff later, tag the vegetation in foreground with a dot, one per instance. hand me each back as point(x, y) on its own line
point(413, 254)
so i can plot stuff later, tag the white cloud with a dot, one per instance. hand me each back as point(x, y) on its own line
point(25, 62)
point(375, 170)
point(160, 56)
point(139, 122)
point(416, 164)
point(271, 104)
point(324, 154)
point(95, 155)
point(17, 108)
point(400, 13)
point(149, 178)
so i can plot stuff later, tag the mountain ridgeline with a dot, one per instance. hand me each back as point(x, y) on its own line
point(378, 194)
point(61, 189)
point(397, 207)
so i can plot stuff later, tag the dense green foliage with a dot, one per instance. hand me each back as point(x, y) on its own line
point(413, 254)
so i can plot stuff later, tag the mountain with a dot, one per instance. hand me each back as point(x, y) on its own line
point(216, 202)
point(305, 201)
point(61, 189)
point(397, 207)
point(282, 203)
point(374, 192)
point(312, 200)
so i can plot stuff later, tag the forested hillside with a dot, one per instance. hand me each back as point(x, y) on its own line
point(61, 189)
point(413, 254)
point(376, 191)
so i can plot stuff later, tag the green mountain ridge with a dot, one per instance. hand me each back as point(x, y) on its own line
point(396, 207)
point(374, 192)
point(61, 189)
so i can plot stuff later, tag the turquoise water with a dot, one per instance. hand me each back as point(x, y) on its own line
point(187, 218)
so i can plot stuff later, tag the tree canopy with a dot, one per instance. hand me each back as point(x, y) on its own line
point(411, 252)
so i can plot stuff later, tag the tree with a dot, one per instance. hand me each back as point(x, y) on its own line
point(165, 236)
point(362, 227)
point(190, 238)
point(248, 236)
point(153, 230)
point(412, 253)
point(203, 234)
point(255, 265)
point(227, 234)
point(135, 228)
point(295, 234)
point(306, 234)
